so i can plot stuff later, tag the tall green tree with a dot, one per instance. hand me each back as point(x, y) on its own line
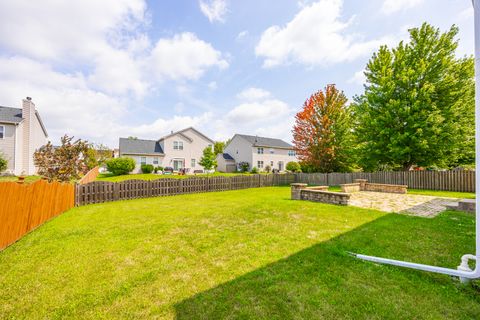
point(322, 133)
point(3, 163)
point(418, 104)
point(208, 160)
point(218, 147)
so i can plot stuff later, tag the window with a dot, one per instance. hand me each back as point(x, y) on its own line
point(272, 151)
point(2, 132)
point(291, 153)
point(271, 163)
point(155, 160)
point(260, 164)
point(260, 150)
point(143, 160)
point(177, 145)
point(193, 163)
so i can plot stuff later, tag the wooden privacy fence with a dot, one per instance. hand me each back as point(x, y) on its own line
point(90, 176)
point(433, 180)
point(103, 191)
point(24, 207)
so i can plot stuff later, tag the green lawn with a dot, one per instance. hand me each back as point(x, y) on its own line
point(151, 176)
point(448, 194)
point(245, 254)
point(28, 179)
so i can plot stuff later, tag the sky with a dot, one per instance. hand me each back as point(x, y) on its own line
point(100, 70)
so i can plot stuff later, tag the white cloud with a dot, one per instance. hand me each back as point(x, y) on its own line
point(357, 78)
point(214, 10)
point(315, 36)
point(259, 113)
point(64, 30)
point(253, 93)
point(392, 6)
point(64, 101)
point(184, 57)
point(88, 64)
point(242, 34)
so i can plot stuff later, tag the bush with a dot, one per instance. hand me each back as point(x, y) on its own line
point(267, 168)
point(244, 166)
point(119, 166)
point(293, 166)
point(307, 168)
point(3, 163)
point(254, 170)
point(160, 168)
point(146, 168)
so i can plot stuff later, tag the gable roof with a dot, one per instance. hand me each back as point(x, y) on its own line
point(226, 156)
point(257, 141)
point(181, 132)
point(12, 115)
point(139, 146)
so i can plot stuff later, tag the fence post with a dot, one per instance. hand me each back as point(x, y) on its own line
point(116, 191)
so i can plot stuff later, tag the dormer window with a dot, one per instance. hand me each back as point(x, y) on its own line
point(260, 150)
point(177, 145)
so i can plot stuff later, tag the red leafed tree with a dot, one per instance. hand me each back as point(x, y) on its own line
point(322, 132)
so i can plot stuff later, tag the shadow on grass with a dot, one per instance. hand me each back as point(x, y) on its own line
point(324, 282)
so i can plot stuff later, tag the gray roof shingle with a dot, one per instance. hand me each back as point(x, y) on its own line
point(266, 142)
point(8, 114)
point(226, 156)
point(139, 146)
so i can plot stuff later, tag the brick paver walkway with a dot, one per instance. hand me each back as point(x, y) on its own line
point(418, 205)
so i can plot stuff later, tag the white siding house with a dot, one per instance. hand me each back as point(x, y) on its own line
point(259, 152)
point(21, 133)
point(180, 150)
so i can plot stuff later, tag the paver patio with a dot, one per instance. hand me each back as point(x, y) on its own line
point(418, 205)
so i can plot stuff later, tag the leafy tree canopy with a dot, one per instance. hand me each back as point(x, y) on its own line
point(63, 163)
point(418, 104)
point(208, 160)
point(322, 133)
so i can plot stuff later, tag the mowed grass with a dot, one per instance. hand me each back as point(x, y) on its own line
point(425, 192)
point(152, 176)
point(245, 254)
point(448, 194)
point(28, 179)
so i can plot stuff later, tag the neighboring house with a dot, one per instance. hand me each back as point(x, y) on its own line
point(225, 163)
point(181, 149)
point(257, 151)
point(21, 133)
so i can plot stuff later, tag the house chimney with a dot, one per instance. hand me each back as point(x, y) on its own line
point(28, 114)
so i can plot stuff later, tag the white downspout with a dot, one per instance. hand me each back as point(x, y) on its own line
point(463, 271)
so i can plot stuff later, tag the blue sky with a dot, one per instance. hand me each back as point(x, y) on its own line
point(100, 70)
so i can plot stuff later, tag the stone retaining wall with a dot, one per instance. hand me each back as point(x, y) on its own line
point(300, 191)
point(350, 187)
point(389, 188)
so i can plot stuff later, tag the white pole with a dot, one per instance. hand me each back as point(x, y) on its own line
point(463, 271)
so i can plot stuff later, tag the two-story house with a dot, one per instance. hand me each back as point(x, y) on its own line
point(21, 133)
point(179, 150)
point(257, 151)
